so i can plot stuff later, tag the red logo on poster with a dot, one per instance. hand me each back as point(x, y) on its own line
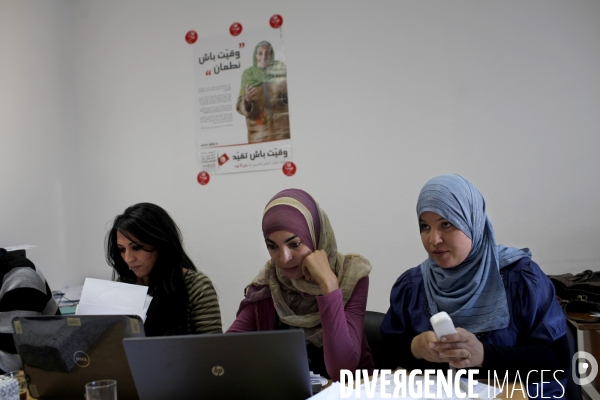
point(235, 29)
point(191, 37)
point(276, 21)
point(203, 178)
point(223, 159)
point(289, 168)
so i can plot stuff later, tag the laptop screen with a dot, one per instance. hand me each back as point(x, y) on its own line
point(249, 365)
point(60, 354)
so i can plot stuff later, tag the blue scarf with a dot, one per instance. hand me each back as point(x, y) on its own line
point(472, 293)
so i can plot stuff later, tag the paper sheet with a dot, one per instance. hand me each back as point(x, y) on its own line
point(330, 393)
point(107, 297)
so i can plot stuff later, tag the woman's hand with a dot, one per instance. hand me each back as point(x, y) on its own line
point(315, 267)
point(461, 350)
point(421, 347)
point(251, 94)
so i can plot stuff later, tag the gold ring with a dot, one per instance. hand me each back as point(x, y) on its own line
point(469, 355)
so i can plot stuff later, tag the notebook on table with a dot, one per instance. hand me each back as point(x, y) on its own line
point(60, 354)
point(249, 365)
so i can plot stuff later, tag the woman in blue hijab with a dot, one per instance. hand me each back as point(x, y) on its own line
point(500, 301)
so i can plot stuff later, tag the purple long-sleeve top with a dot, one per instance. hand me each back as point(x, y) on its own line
point(344, 342)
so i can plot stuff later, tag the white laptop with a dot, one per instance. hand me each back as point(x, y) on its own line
point(250, 365)
point(60, 354)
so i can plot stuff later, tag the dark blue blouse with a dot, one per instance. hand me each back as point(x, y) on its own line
point(535, 319)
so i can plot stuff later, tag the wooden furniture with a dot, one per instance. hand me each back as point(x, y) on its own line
point(588, 339)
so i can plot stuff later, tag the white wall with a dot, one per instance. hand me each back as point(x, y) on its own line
point(383, 96)
point(39, 151)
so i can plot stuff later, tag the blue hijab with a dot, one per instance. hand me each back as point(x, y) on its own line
point(472, 293)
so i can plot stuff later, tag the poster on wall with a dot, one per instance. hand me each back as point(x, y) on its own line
point(242, 110)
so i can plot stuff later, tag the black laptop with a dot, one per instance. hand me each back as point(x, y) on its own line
point(60, 354)
point(250, 365)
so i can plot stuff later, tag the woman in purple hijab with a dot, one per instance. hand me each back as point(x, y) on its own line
point(307, 284)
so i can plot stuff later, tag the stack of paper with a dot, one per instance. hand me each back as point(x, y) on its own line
point(19, 247)
point(101, 297)
point(372, 390)
point(69, 296)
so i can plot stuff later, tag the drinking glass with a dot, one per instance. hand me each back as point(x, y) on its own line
point(20, 377)
point(101, 390)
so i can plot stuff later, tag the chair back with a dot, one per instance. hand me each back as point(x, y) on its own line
point(573, 390)
point(381, 355)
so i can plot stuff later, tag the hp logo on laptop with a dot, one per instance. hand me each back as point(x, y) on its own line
point(217, 370)
point(81, 359)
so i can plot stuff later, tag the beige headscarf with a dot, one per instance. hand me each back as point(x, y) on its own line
point(295, 299)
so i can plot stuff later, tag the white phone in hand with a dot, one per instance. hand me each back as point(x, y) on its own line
point(442, 324)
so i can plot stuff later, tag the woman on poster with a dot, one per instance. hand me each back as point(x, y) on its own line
point(263, 98)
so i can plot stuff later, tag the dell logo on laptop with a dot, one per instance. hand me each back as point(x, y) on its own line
point(217, 370)
point(81, 359)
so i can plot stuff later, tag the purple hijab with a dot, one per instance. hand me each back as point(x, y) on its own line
point(289, 219)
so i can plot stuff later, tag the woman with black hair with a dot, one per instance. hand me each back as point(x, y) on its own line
point(144, 247)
